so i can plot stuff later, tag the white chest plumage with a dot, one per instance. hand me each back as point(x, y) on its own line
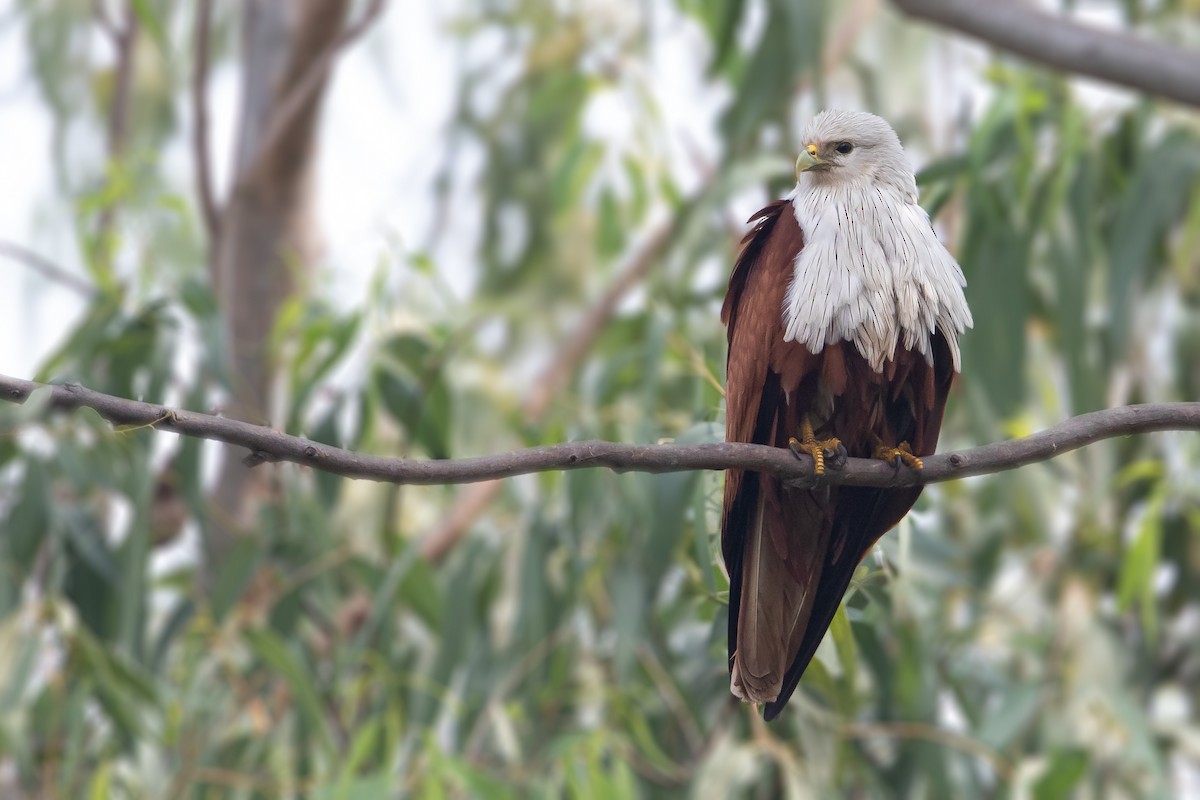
point(872, 272)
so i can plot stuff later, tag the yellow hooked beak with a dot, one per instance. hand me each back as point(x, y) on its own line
point(808, 159)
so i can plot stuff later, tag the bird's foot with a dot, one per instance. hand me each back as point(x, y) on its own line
point(819, 449)
point(900, 454)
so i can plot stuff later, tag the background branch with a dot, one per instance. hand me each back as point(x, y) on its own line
point(47, 268)
point(202, 162)
point(307, 87)
point(124, 41)
point(268, 237)
point(266, 444)
point(557, 373)
point(1154, 67)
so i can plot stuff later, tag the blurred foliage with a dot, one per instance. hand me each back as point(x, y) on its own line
point(1030, 634)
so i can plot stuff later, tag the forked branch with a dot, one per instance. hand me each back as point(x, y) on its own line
point(266, 444)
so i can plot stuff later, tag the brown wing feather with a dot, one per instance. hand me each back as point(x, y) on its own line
point(791, 552)
point(908, 409)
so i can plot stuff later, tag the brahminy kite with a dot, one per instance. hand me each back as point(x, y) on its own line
point(844, 313)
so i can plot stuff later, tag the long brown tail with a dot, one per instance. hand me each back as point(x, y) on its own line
point(786, 536)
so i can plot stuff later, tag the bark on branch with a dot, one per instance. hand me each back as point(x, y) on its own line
point(266, 444)
point(1156, 68)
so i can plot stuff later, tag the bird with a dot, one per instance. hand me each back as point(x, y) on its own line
point(843, 315)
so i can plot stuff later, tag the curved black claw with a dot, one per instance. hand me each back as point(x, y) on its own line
point(898, 456)
point(819, 451)
point(836, 458)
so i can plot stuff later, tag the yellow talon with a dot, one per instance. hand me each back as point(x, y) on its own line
point(808, 443)
point(901, 451)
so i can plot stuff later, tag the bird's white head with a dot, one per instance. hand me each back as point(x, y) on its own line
point(847, 148)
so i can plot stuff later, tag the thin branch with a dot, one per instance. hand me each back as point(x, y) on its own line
point(549, 384)
point(305, 89)
point(841, 42)
point(1154, 67)
point(46, 267)
point(202, 160)
point(468, 507)
point(105, 20)
point(931, 733)
point(124, 40)
point(266, 444)
point(474, 501)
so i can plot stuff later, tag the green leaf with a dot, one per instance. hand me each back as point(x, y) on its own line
point(370, 787)
point(18, 662)
point(1153, 202)
point(576, 171)
point(233, 575)
point(995, 259)
point(1062, 775)
point(413, 350)
point(643, 738)
point(629, 610)
point(326, 432)
point(148, 18)
point(176, 623)
point(324, 342)
point(283, 661)
point(100, 786)
point(88, 542)
point(382, 601)
point(29, 522)
point(767, 79)
point(420, 592)
point(843, 642)
point(424, 411)
point(1010, 715)
point(121, 688)
point(471, 780)
point(943, 169)
point(610, 226)
point(724, 32)
point(1136, 582)
point(1073, 262)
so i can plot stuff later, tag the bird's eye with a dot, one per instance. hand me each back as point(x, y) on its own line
point(844, 147)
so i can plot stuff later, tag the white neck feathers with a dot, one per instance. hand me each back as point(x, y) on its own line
point(871, 272)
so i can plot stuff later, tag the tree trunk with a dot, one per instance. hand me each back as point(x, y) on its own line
point(266, 236)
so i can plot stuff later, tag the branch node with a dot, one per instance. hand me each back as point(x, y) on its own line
point(310, 452)
point(256, 457)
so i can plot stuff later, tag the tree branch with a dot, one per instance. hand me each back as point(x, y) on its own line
point(202, 161)
point(124, 40)
point(266, 444)
point(307, 86)
point(47, 268)
point(551, 380)
point(104, 19)
point(1156, 68)
point(474, 501)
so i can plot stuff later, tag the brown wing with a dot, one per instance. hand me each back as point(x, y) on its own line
point(791, 552)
